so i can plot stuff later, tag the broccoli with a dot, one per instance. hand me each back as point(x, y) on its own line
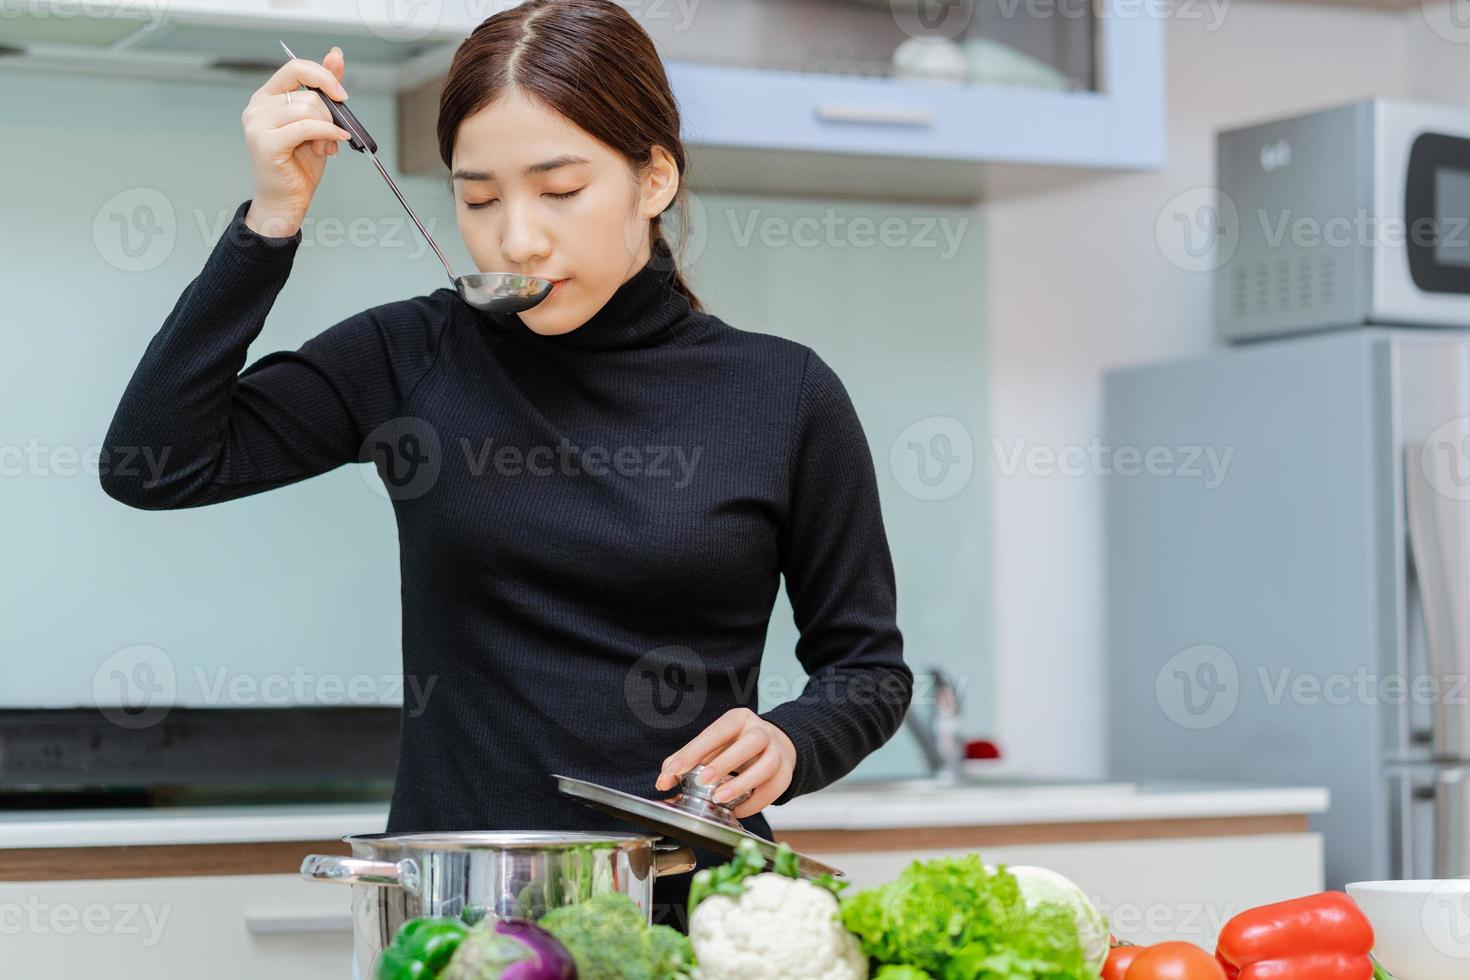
point(609, 937)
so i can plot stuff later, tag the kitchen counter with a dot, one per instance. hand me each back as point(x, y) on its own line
point(228, 875)
point(132, 826)
point(843, 806)
point(918, 803)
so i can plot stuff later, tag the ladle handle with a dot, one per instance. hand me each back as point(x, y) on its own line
point(342, 116)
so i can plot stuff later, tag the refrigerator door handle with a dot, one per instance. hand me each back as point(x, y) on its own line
point(1401, 825)
point(1451, 856)
point(1439, 552)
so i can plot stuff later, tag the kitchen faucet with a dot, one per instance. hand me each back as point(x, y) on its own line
point(939, 734)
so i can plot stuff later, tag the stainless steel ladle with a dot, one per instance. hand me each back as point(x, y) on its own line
point(493, 292)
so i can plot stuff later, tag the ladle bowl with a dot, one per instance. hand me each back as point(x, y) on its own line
point(501, 292)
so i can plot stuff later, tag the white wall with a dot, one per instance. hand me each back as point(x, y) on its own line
point(321, 555)
point(1439, 51)
point(1078, 283)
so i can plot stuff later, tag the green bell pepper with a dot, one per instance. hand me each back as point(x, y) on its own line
point(421, 948)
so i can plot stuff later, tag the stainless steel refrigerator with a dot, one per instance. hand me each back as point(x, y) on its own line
point(1288, 583)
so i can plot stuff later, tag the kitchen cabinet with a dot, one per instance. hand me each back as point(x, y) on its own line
point(802, 96)
point(177, 891)
point(226, 927)
point(233, 42)
point(786, 96)
point(1050, 85)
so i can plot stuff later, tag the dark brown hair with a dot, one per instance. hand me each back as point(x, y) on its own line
point(588, 60)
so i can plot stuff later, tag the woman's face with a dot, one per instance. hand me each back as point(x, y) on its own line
point(538, 195)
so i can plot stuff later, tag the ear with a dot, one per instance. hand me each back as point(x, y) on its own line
point(660, 182)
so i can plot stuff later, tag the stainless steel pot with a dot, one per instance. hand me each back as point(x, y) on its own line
point(397, 877)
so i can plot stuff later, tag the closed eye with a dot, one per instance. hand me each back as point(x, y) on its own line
point(475, 205)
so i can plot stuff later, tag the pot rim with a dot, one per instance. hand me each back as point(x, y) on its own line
point(500, 840)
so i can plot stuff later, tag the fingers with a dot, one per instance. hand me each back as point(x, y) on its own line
point(755, 780)
point(748, 746)
point(307, 107)
point(291, 135)
point(713, 739)
point(303, 105)
point(738, 741)
point(670, 774)
point(334, 62)
point(297, 72)
point(266, 116)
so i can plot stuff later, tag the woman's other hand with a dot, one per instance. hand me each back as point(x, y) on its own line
point(739, 740)
point(289, 142)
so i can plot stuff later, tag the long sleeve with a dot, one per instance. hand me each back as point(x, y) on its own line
point(192, 429)
point(839, 577)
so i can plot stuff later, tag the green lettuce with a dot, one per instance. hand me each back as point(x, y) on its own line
point(954, 919)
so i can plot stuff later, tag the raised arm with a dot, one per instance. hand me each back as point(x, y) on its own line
point(839, 577)
point(192, 428)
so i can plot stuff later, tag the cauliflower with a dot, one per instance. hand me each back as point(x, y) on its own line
point(776, 927)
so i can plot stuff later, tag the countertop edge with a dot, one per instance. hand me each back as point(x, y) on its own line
point(814, 812)
point(848, 810)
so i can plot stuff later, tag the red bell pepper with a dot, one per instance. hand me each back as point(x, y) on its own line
point(1319, 937)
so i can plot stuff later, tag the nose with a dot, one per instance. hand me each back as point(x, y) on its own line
point(523, 241)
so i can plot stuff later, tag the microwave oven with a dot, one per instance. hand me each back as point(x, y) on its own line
point(1350, 216)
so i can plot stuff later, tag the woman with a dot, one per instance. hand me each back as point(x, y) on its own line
point(595, 498)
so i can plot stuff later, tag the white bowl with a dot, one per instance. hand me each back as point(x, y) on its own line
point(1421, 928)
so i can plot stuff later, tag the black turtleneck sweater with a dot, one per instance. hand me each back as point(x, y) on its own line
point(592, 526)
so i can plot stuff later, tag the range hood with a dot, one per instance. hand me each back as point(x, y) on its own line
point(391, 45)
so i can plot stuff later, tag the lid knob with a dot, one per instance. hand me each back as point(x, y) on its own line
point(697, 798)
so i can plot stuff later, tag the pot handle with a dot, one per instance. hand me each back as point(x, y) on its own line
point(351, 870)
point(672, 859)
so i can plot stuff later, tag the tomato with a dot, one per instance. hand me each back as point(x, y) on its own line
point(1119, 959)
point(1174, 961)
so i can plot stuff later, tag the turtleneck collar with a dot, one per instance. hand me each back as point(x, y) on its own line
point(645, 311)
